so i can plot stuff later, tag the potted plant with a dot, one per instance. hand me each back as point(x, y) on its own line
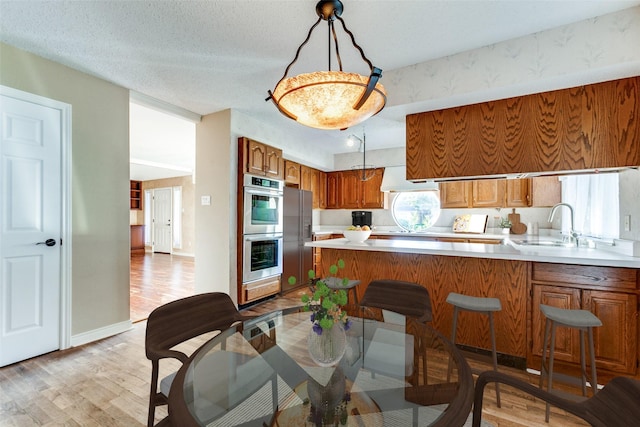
point(329, 320)
point(505, 224)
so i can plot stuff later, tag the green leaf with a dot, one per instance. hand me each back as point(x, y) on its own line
point(326, 323)
point(327, 303)
point(333, 270)
point(324, 291)
point(341, 263)
point(292, 280)
point(311, 274)
point(304, 298)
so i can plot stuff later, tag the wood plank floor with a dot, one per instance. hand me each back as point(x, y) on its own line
point(106, 383)
point(157, 279)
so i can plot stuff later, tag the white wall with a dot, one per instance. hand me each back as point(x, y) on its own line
point(214, 177)
point(630, 203)
point(597, 49)
point(294, 147)
point(100, 183)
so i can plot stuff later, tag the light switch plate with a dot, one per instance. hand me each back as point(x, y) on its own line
point(205, 200)
point(627, 223)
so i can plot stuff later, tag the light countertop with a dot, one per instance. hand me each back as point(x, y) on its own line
point(509, 251)
point(435, 232)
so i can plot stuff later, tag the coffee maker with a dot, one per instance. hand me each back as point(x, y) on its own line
point(360, 218)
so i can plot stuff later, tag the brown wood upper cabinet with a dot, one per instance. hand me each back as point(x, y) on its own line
point(319, 188)
point(261, 159)
point(587, 127)
point(455, 194)
point(486, 193)
point(307, 178)
point(291, 173)
point(345, 190)
point(545, 191)
point(315, 181)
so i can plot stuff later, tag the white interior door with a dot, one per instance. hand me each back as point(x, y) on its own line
point(162, 241)
point(30, 233)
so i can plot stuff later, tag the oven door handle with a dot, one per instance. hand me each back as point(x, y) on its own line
point(274, 193)
point(258, 237)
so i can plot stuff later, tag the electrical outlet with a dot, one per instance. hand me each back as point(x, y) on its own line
point(627, 223)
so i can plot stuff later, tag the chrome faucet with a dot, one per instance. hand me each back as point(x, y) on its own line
point(573, 236)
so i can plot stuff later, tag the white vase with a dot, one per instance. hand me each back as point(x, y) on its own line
point(327, 348)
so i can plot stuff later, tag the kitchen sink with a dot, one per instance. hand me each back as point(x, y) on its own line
point(548, 243)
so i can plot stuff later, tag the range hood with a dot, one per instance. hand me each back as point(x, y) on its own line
point(395, 179)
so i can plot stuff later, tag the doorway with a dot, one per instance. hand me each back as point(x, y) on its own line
point(162, 221)
point(162, 156)
point(34, 266)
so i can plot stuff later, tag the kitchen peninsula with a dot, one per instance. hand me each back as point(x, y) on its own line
point(522, 277)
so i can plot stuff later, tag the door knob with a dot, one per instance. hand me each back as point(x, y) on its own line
point(48, 242)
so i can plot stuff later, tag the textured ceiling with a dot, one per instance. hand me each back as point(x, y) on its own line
point(207, 56)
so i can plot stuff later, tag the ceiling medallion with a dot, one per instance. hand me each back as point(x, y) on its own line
point(330, 99)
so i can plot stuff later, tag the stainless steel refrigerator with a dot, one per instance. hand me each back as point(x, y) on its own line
point(297, 259)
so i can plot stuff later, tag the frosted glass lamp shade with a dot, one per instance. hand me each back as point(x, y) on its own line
point(326, 99)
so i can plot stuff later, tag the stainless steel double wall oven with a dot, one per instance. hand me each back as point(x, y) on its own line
point(262, 228)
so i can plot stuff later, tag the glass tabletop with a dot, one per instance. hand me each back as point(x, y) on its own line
point(272, 371)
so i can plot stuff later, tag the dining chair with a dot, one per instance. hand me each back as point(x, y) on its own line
point(406, 298)
point(616, 405)
point(392, 353)
point(179, 321)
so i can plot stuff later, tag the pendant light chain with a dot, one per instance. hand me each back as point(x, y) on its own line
point(364, 155)
point(353, 40)
point(335, 41)
point(286, 71)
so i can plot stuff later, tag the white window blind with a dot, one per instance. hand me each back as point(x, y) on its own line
point(596, 204)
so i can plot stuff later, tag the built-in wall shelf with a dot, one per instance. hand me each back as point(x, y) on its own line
point(136, 194)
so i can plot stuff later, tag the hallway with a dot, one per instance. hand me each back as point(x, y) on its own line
point(157, 279)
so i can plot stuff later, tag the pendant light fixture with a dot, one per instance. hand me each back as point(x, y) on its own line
point(364, 171)
point(330, 99)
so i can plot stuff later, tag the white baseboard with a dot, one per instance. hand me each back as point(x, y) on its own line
point(184, 254)
point(100, 333)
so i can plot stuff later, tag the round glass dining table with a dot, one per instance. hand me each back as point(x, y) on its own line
point(393, 371)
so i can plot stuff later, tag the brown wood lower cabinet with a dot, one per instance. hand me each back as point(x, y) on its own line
point(317, 254)
point(137, 239)
point(260, 289)
point(504, 279)
point(609, 293)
